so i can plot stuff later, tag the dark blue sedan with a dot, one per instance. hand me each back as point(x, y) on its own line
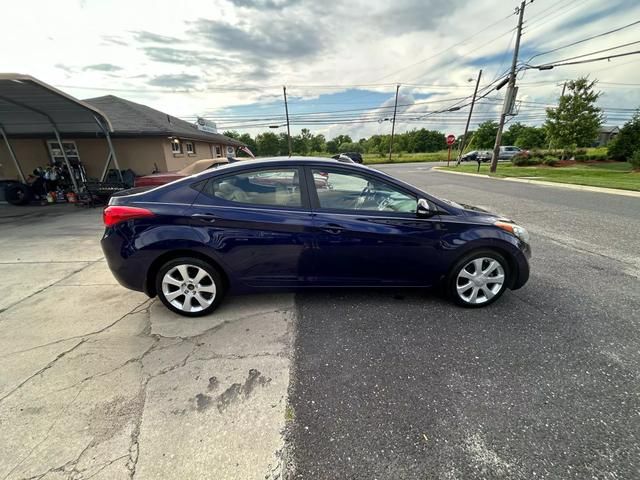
point(305, 222)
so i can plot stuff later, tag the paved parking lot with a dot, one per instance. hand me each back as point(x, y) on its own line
point(99, 382)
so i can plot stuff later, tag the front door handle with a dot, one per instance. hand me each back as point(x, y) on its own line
point(205, 217)
point(332, 228)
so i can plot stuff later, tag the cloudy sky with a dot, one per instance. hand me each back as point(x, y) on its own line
point(227, 60)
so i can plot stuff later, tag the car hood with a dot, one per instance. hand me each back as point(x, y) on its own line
point(479, 213)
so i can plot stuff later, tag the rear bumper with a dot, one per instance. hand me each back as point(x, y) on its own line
point(128, 268)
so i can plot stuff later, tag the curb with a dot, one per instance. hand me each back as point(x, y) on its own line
point(570, 186)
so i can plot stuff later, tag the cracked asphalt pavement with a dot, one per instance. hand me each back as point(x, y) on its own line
point(100, 382)
point(543, 384)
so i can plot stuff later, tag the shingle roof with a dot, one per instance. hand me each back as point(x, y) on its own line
point(130, 118)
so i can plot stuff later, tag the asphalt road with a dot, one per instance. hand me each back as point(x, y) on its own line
point(542, 384)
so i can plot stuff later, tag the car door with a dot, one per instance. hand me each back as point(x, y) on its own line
point(257, 222)
point(367, 231)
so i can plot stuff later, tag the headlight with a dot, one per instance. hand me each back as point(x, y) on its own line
point(516, 230)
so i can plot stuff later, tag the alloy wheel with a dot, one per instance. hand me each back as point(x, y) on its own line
point(189, 288)
point(480, 280)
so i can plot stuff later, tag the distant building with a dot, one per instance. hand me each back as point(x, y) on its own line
point(144, 140)
point(605, 135)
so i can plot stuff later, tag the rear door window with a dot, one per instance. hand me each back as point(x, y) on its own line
point(276, 187)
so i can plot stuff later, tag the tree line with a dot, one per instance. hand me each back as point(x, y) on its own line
point(574, 123)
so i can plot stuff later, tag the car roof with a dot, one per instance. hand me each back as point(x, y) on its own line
point(296, 160)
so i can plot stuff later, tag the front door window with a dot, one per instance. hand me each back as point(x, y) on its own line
point(354, 192)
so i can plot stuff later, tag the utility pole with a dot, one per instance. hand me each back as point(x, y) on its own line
point(393, 125)
point(466, 128)
point(510, 90)
point(286, 111)
point(564, 87)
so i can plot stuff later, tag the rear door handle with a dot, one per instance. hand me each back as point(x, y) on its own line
point(205, 217)
point(332, 228)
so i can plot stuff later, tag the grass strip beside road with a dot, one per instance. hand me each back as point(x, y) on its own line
point(606, 174)
point(441, 156)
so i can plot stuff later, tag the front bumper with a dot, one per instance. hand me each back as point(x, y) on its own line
point(522, 266)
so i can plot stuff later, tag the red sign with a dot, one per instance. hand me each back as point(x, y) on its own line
point(451, 139)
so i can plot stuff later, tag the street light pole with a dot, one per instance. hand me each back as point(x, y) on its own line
point(286, 110)
point(510, 90)
point(466, 128)
point(393, 125)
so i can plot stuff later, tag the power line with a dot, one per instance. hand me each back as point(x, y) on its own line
point(585, 40)
point(603, 50)
point(562, 63)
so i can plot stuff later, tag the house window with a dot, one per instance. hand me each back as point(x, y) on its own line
point(191, 149)
point(176, 146)
point(218, 151)
point(70, 149)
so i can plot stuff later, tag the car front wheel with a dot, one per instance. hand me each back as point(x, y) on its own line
point(189, 286)
point(478, 279)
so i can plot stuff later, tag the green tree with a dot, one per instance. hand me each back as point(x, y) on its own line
point(283, 144)
point(340, 139)
point(249, 142)
point(531, 137)
point(267, 143)
point(509, 137)
point(318, 143)
point(485, 135)
point(351, 147)
point(231, 134)
point(576, 119)
point(623, 146)
point(332, 146)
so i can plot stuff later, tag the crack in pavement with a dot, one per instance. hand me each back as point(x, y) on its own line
point(137, 309)
point(159, 343)
point(63, 410)
point(64, 353)
point(11, 305)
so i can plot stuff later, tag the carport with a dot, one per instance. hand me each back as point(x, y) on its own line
point(29, 107)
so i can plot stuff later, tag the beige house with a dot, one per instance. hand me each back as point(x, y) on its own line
point(144, 139)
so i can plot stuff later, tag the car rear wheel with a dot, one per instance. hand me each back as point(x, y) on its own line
point(478, 279)
point(189, 286)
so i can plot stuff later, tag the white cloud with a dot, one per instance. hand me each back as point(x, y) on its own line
point(152, 51)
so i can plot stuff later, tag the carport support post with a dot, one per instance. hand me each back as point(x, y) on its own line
point(112, 151)
point(13, 155)
point(66, 160)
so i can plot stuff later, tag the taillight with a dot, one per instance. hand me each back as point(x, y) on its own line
point(115, 214)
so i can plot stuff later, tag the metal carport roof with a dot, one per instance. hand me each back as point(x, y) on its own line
point(29, 107)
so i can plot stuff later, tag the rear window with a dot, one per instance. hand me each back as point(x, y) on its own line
point(273, 187)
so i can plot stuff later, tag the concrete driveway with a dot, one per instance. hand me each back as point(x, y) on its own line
point(100, 382)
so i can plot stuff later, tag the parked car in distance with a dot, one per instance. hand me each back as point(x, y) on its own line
point(354, 156)
point(507, 152)
point(475, 155)
point(198, 166)
point(305, 222)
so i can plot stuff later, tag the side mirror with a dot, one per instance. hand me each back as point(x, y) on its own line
point(424, 210)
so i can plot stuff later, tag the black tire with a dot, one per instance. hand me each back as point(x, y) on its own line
point(18, 194)
point(451, 284)
point(192, 265)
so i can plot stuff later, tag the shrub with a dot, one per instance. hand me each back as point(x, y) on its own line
point(581, 157)
point(550, 160)
point(580, 151)
point(635, 160)
point(536, 154)
point(525, 160)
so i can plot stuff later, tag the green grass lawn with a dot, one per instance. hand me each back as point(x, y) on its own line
point(372, 158)
point(605, 174)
